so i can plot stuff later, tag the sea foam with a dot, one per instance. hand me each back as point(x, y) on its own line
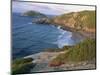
point(64, 38)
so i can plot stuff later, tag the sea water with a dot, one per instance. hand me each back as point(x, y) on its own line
point(29, 38)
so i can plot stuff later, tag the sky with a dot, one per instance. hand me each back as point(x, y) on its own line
point(48, 9)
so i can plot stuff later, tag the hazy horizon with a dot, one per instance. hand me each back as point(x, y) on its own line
point(48, 9)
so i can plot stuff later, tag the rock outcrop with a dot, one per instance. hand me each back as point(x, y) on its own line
point(43, 20)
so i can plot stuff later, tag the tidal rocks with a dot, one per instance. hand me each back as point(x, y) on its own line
point(41, 21)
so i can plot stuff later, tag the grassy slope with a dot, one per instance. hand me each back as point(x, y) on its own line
point(82, 20)
point(84, 51)
point(33, 13)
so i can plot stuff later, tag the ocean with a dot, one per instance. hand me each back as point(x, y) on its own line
point(30, 38)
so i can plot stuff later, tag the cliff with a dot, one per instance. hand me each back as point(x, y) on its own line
point(83, 22)
point(79, 21)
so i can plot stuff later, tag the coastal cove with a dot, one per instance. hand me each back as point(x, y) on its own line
point(50, 36)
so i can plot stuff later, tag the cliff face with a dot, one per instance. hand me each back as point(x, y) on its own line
point(80, 21)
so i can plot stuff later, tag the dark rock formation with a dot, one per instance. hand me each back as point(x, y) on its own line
point(41, 21)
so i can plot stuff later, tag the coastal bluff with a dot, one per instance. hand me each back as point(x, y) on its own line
point(78, 21)
point(81, 21)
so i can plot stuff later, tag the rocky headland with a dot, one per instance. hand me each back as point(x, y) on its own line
point(83, 22)
point(32, 13)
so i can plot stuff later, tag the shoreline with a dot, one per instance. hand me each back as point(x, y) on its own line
point(80, 32)
point(42, 59)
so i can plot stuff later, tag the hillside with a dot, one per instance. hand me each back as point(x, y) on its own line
point(80, 21)
point(33, 13)
point(84, 51)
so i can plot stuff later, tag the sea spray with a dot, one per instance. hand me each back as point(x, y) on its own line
point(67, 38)
point(63, 38)
point(59, 27)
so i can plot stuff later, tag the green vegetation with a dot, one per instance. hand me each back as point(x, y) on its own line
point(90, 19)
point(84, 51)
point(22, 65)
point(34, 13)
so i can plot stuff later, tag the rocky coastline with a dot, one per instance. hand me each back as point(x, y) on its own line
point(43, 60)
point(75, 23)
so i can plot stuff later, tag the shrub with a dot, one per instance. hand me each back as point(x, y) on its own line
point(83, 51)
point(22, 65)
